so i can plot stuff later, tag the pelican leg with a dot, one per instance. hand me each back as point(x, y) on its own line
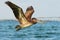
point(17, 27)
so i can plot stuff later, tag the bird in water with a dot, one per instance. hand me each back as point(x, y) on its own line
point(25, 20)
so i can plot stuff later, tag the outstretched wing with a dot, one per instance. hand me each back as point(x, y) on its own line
point(18, 12)
point(15, 9)
point(29, 12)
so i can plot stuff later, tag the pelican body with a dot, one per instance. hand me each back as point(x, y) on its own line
point(19, 14)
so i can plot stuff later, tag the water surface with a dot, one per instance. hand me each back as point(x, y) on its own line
point(41, 31)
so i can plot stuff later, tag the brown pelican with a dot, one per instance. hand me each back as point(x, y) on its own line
point(24, 19)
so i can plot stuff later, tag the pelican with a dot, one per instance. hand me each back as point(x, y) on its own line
point(24, 19)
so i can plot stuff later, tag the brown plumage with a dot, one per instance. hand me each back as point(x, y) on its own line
point(24, 19)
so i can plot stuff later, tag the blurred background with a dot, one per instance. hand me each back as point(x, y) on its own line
point(43, 8)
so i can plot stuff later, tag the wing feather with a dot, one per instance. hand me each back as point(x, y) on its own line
point(18, 12)
point(29, 12)
point(14, 8)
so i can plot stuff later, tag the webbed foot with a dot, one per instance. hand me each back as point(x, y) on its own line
point(18, 27)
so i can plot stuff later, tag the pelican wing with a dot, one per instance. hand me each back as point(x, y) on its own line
point(18, 12)
point(14, 8)
point(29, 12)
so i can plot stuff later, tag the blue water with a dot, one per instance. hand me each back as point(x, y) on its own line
point(40, 31)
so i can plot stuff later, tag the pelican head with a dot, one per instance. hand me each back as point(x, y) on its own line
point(34, 20)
